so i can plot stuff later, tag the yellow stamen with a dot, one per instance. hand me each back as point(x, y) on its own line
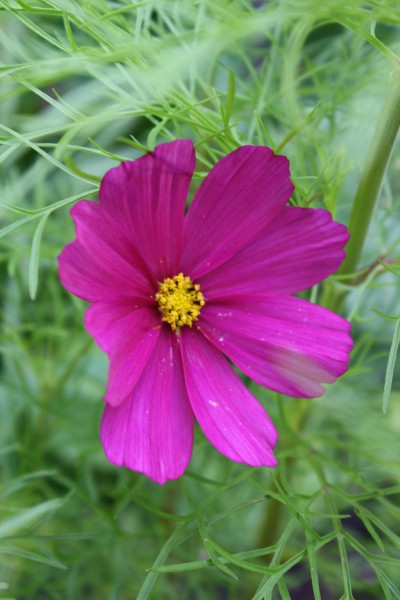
point(179, 301)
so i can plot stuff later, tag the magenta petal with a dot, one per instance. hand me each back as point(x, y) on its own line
point(79, 275)
point(101, 263)
point(147, 197)
point(239, 197)
point(128, 334)
point(152, 430)
point(285, 344)
point(231, 418)
point(301, 247)
point(84, 278)
point(105, 240)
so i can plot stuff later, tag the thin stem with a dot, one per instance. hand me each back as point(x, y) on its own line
point(365, 201)
point(367, 194)
point(270, 528)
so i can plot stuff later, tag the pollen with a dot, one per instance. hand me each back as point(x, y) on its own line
point(180, 301)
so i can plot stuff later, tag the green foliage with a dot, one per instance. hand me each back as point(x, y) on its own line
point(84, 85)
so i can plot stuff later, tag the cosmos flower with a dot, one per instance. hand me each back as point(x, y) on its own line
point(175, 296)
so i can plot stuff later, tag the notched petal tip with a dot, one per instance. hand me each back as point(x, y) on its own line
point(240, 196)
point(285, 344)
point(229, 415)
point(151, 431)
point(157, 477)
point(147, 198)
point(177, 157)
point(298, 249)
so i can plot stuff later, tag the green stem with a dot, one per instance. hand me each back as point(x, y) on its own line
point(365, 200)
point(372, 174)
point(270, 528)
point(367, 194)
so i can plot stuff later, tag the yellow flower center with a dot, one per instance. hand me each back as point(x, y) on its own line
point(179, 301)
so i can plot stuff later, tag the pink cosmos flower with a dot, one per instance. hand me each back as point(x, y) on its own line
point(174, 295)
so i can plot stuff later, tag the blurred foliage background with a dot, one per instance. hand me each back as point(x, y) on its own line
point(85, 84)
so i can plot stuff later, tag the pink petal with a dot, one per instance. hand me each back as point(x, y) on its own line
point(301, 247)
point(285, 344)
point(128, 333)
point(152, 430)
point(104, 238)
point(102, 263)
point(239, 197)
point(230, 416)
point(81, 276)
point(147, 197)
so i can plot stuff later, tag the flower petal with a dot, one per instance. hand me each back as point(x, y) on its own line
point(128, 334)
point(285, 344)
point(102, 263)
point(147, 196)
point(242, 193)
point(152, 430)
point(79, 275)
point(231, 418)
point(301, 247)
